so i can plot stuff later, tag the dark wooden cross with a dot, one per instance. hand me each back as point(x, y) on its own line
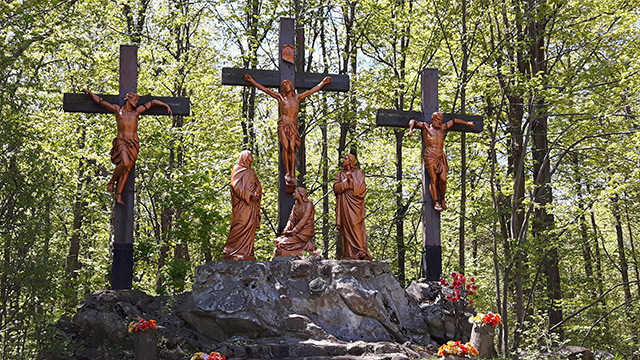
point(272, 79)
point(431, 265)
point(122, 269)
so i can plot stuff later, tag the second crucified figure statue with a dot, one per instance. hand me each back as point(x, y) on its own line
point(289, 105)
point(126, 144)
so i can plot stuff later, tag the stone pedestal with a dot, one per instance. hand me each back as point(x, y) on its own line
point(482, 338)
point(145, 345)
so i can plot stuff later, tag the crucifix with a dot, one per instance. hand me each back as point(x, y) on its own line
point(286, 77)
point(122, 269)
point(431, 264)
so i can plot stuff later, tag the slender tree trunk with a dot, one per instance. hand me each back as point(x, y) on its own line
point(499, 208)
point(584, 227)
point(73, 264)
point(600, 280)
point(634, 255)
point(463, 138)
point(624, 265)
point(301, 155)
point(326, 222)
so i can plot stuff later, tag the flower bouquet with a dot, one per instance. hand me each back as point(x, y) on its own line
point(210, 356)
point(486, 319)
point(457, 348)
point(142, 325)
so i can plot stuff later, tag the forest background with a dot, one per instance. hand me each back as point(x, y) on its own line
point(542, 206)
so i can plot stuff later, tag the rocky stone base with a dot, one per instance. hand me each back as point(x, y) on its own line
point(284, 309)
point(294, 349)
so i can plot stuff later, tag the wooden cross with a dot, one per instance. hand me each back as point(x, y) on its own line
point(272, 79)
point(122, 269)
point(431, 265)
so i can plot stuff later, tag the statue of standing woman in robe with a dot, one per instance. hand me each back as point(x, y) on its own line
point(350, 190)
point(246, 194)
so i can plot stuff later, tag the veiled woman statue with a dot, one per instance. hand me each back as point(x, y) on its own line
point(350, 190)
point(246, 193)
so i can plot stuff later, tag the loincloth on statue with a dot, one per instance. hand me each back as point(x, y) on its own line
point(438, 162)
point(130, 145)
point(288, 132)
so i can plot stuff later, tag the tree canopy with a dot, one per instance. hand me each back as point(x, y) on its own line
point(542, 204)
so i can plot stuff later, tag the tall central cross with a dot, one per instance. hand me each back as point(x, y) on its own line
point(122, 269)
point(431, 264)
point(273, 79)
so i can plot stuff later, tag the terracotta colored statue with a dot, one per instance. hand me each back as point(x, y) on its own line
point(289, 104)
point(297, 235)
point(435, 161)
point(126, 145)
point(350, 190)
point(246, 193)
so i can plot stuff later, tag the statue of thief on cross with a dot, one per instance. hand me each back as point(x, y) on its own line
point(435, 161)
point(126, 144)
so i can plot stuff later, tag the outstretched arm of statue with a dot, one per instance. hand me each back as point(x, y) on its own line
point(459, 121)
point(316, 88)
point(100, 101)
point(250, 80)
point(413, 123)
point(148, 105)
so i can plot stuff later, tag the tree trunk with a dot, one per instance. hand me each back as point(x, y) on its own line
point(624, 265)
point(301, 155)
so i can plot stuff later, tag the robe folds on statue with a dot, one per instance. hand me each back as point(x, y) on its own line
point(245, 214)
point(350, 213)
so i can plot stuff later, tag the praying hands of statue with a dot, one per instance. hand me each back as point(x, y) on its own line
point(126, 145)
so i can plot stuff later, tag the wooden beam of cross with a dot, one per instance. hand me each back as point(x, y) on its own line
point(273, 79)
point(431, 265)
point(122, 269)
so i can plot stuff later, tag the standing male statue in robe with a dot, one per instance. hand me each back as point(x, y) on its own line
point(289, 105)
point(350, 190)
point(297, 236)
point(126, 144)
point(435, 161)
point(246, 193)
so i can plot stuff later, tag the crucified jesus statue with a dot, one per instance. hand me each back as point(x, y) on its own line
point(435, 161)
point(289, 105)
point(126, 144)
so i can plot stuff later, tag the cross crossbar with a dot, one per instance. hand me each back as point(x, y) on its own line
point(271, 79)
point(400, 119)
point(83, 103)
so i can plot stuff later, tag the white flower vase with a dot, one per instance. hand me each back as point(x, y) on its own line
point(482, 339)
point(145, 345)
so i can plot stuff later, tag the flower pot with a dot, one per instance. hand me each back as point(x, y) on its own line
point(482, 339)
point(145, 345)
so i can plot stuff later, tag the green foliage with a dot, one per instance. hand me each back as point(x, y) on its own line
point(55, 214)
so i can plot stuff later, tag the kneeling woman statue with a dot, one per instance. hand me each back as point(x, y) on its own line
point(297, 236)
